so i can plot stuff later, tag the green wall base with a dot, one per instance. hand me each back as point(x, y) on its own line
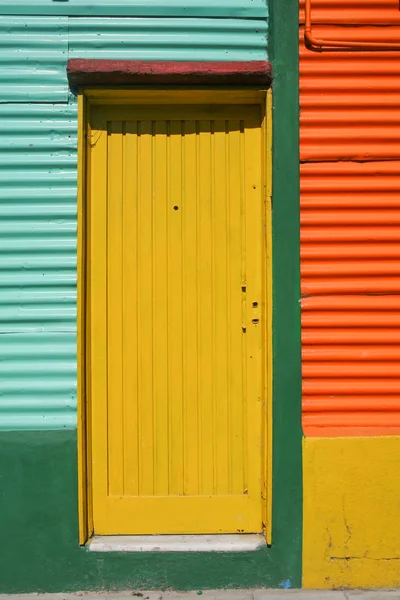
point(39, 529)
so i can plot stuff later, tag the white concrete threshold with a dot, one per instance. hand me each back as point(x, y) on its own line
point(236, 542)
point(216, 595)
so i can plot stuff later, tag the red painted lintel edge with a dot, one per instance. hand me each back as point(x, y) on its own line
point(87, 72)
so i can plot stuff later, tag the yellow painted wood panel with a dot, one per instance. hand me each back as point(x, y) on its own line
point(175, 267)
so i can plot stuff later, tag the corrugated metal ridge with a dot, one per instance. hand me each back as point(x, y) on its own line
point(350, 222)
point(139, 8)
point(38, 380)
point(37, 266)
point(350, 227)
point(350, 253)
point(353, 12)
point(33, 59)
point(38, 184)
point(167, 39)
point(351, 96)
point(35, 50)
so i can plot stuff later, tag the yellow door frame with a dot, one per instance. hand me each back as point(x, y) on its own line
point(86, 99)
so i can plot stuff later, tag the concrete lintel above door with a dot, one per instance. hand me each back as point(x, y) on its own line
point(94, 72)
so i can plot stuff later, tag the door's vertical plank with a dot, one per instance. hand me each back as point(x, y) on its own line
point(145, 311)
point(205, 308)
point(130, 310)
point(238, 293)
point(160, 302)
point(252, 184)
point(246, 314)
point(221, 258)
point(174, 212)
point(229, 308)
point(97, 255)
point(190, 309)
point(114, 308)
point(213, 307)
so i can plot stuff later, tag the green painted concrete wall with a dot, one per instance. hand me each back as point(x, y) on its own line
point(38, 508)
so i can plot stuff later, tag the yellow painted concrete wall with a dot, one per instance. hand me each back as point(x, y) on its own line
point(351, 512)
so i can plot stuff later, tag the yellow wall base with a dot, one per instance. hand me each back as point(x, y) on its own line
point(351, 512)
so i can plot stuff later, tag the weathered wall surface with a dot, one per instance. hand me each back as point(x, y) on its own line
point(351, 512)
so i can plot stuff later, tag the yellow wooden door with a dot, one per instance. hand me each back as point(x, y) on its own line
point(175, 289)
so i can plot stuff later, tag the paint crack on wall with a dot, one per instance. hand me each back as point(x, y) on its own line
point(347, 526)
point(377, 559)
point(329, 545)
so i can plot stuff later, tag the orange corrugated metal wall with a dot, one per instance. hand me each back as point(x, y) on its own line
point(350, 221)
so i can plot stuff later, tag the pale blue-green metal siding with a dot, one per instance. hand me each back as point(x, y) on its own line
point(38, 185)
point(149, 8)
point(168, 39)
point(37, 266)
point(33, 58)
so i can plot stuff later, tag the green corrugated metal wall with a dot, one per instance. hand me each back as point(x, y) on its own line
point(38, 137)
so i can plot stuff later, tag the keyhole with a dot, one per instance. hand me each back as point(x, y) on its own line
point(176, 207)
